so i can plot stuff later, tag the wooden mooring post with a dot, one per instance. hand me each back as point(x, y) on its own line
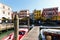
point(16, 27)
point(28, 23)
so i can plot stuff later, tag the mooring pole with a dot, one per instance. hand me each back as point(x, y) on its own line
point(16, 27)
point(28, 23)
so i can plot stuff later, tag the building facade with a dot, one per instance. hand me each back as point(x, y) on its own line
point(56, 17)
point(5, 11)
point(23, 13)
point(50, 12)
point(58, 13)
point(37, 14)
point(13, 14)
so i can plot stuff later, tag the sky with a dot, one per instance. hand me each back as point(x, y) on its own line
point(18, 5)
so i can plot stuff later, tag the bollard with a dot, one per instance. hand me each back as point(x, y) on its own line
point(16, 27)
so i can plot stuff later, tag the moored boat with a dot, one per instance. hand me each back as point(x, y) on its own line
point(50, 34)
point(22, 32)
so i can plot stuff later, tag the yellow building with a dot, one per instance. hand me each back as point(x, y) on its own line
point(37, 14)
point(56, 18)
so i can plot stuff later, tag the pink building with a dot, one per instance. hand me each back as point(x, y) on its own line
point(50, 12)
point(58, 13)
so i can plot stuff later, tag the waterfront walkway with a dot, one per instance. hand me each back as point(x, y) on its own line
point(32, 35)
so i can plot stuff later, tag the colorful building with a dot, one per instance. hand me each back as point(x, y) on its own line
point(23, 13)
point(37, 14)
point(50, 12)
point(56, 17)
point(58, 13)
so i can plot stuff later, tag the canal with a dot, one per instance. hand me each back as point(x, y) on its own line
point(5, 33)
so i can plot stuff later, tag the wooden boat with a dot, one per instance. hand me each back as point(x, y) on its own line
point(53, 33)
point(22, 32)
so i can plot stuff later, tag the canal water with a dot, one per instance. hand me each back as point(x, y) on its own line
point(5, 33)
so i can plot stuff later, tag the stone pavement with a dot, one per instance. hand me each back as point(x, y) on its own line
point(33, 34)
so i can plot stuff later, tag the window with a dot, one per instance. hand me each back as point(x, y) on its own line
point(50, 13)
point(3, 7)
point(3, 12)
point(8, 8)
point(8, 13)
